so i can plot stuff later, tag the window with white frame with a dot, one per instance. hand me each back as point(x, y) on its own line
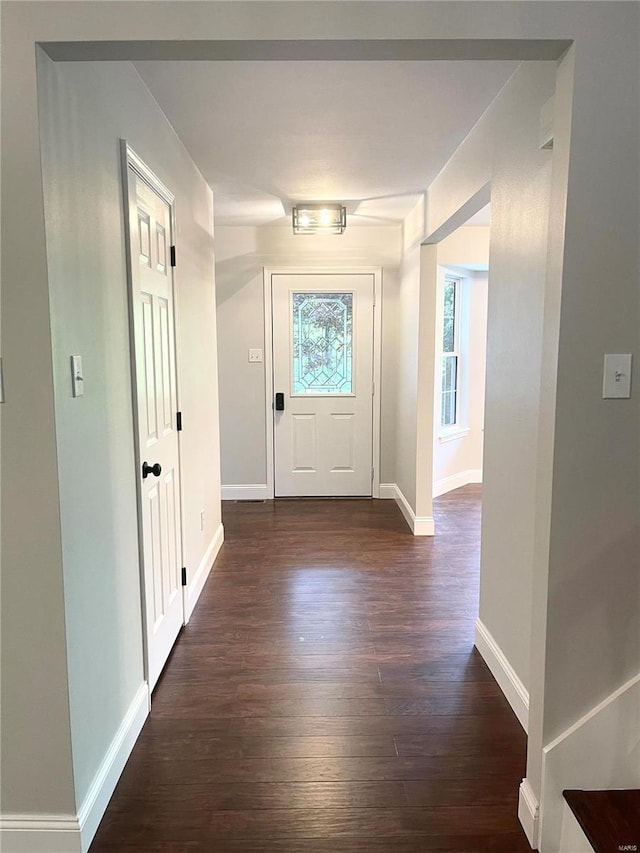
point(450, 395)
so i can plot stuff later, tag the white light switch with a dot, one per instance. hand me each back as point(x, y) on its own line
point(617, 376)
point(77, 376)
point(255, 355)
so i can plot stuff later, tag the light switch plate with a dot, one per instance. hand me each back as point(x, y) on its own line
point(255, 356)
point(77, 376)
point(617, 376)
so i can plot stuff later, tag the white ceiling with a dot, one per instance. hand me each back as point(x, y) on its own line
point(370, 134)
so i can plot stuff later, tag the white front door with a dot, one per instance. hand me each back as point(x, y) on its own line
point(323, 383)
point(156, 392)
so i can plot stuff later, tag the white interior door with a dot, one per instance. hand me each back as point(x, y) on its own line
point(323, 378)
point(156, 393)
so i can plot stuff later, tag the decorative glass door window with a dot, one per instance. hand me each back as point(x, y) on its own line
point(322, 343)
point(450, 355)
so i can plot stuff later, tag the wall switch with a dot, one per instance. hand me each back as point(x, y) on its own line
point(77, 376)
point(255, 355)
point(617, 376)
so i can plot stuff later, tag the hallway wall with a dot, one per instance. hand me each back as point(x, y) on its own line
point(504, 149)
point(241, 254)
point(85, 109)
point(406, 377)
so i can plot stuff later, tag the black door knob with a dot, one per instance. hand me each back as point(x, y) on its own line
point(156, 470)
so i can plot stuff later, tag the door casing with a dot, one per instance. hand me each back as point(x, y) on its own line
point(130, 160)
point(268, 272)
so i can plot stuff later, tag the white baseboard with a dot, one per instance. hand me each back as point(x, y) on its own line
point(419, 525)
point(508, 681)
point(197, 582)
point(70, 833)
point(40, 834)
point(456, 481)
point(253, 492)
point(387, 491)
point(105, 780)
point(529, 812)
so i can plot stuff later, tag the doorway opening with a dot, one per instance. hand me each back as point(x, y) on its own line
point(460, 363)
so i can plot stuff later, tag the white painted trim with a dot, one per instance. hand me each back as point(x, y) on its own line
point(419, 525)
point(40, 834)
point(424, 525)
point(149, 177)
point(197, 582)
point(377, 380)
point(454, 434)
point(253, 492)
point(267, 273)
point(268, 382)
point(514, 690)
point(104, 782)
point(456, 481)
point(529, 812)
point(68, 833)
point(610, 699)
point(387, 491)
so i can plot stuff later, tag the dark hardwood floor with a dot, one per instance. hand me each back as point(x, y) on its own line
point(609, 819)
point(326, 696)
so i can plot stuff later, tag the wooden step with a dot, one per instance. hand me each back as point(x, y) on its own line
point(609, 819)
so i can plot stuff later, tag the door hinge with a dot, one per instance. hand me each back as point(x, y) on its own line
point(184, 576)
point(373, 474)
point(373, 389)
point(172, 253)
point(179, 421)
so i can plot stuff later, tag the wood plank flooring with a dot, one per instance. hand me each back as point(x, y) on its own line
point(326, 696)
point(609, 819)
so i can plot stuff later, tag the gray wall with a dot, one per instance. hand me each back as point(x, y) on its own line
point(593, 629)
point(505, 140)
point(241, 254)
point(85, 108)
point(406, 348)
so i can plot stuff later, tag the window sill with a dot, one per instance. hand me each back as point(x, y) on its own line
point(454, 434)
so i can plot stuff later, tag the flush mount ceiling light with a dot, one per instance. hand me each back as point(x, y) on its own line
point(319, 218)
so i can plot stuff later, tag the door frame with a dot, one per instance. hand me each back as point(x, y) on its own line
point(267, 274)
point(129, 159)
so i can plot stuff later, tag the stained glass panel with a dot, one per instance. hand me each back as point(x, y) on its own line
point(322, 325)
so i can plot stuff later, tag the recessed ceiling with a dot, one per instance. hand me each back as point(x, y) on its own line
point(370, 134)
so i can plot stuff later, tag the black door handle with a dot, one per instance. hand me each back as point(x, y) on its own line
point(279, 402)
point(156, 470)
